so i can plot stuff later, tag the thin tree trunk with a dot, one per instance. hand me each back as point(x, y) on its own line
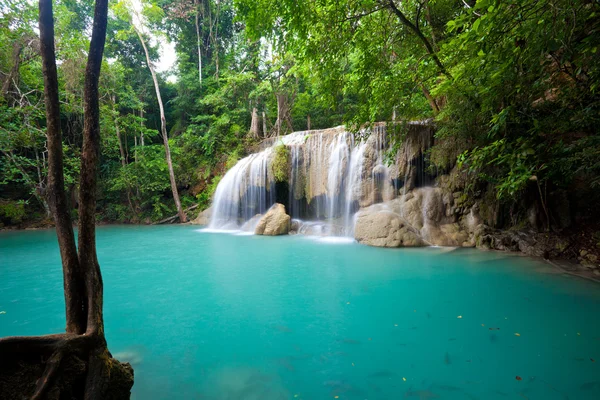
point(142, 127)
point(57, 197)
point(406, 22)
point(254, 125)
point(216, 40)
point(264, 124)
point(89, 171)
point(199, 43)
point(163, 129)
point(434, 105)
point(118, 131)
point(308, 122)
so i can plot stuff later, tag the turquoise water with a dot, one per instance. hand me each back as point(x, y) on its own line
point(219, 316)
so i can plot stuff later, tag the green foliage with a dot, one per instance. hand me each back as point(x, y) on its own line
point(12, 212)
point(513, 87)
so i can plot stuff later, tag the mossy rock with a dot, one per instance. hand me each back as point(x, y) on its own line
point(280, 165)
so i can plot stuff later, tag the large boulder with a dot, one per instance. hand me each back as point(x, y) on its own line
point(203, 218)
point(380, 227)
point(274, 222)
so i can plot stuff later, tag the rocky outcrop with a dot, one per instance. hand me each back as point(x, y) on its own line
point(380, 227)
point(429, 214)
point(203, 218)
point(274, 222)
point(521, 241)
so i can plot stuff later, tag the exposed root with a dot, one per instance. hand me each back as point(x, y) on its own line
point(44, 383)
point(62, 366)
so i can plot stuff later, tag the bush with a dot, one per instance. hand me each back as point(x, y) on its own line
point(12, 212)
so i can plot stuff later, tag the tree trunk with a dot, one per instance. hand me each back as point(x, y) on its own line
point(264, 124)
point(163, 129)
point(76, 364)
point(199, 43)
point(308, 122)
point(254, 125)
point(57, 197)
point(118, 131)
point(215, 38)
point(283, 114)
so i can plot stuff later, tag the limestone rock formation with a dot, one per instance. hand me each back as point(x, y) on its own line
point(427, 214)
point(380, 227)
point(204, 217)
point(274, 222)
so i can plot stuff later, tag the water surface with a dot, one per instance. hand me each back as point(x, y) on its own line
point(217, 316)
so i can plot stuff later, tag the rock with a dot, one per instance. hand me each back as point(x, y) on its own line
point(494, 239)
point(383, 228)
point(204, 217)
point(274, 222)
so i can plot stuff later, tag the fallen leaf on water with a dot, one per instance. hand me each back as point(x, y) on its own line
point(592, 360)
point(459, 317)
point(336, 397)
point(353, 364)
point(295, 395)
point(517, 334)
point(347, 302)
point(404, 379)
point(578, 334)
point(2, 312)
point(518, 378)
point(395, 324)
point(369, 338)
point(482, 324)
point(414, 310)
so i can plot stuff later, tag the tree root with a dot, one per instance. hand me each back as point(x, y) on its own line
point(78, 365)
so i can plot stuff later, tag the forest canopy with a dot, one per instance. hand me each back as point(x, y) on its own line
point(512, 87)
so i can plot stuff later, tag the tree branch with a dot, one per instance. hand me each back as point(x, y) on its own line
point(405, 21)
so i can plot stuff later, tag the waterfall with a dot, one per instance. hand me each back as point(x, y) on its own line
point(245, 190)
point(332, 173)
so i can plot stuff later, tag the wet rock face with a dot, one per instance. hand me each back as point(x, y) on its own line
point(384, 228)
point(424, 216)
point(204, 217)
point(274, 222)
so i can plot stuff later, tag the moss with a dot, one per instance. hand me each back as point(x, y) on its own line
point(281, 163)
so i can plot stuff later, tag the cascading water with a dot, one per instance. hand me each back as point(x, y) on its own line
point(331, 175)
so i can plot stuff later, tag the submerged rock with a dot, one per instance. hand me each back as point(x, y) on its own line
point(274, 222)
point(384, 228)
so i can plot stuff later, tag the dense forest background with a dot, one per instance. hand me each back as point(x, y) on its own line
point(512, 87)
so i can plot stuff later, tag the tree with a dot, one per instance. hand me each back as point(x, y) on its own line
point(79, 357)
point(127, 12)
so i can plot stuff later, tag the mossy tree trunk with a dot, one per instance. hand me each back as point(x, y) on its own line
point(76, 364)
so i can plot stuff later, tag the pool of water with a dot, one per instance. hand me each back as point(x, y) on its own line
point(204, 315)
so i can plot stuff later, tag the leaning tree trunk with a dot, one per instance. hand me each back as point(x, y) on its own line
point(163, 129)
point(76, 364)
